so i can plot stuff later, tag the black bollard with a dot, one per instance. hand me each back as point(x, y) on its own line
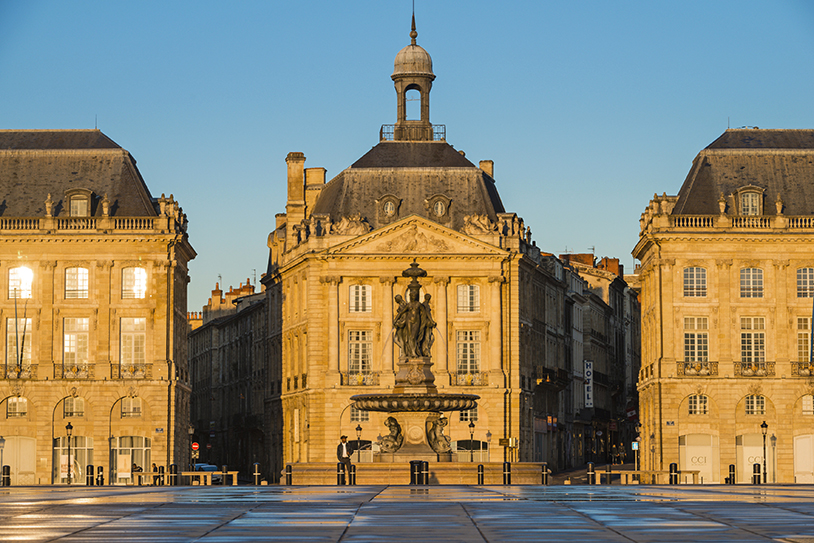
point(160, 475)
point(425, 472)
point(100, 476)
point(256, 474)
point(6, 479)
point(507, 473)
point(340, 473)
point(731, 474)
point(415, 472)
point(352, 475)
point(756, 474)
point(174, 475)
point(673, 473)
point(480, 474)
point(591, 476)
point(608, 473)
point(289, 476)
point(89, 475)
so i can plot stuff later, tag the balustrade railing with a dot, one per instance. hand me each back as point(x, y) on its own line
point(692, 221)
point(131, 371)
point(73, 371)
point(23, 371)
point(360, 378)
point(77, 223)
point(751, 222)
point(697, 369)
point(754, 369)
point(471, 379)
point(802, 369)
point(25, 223)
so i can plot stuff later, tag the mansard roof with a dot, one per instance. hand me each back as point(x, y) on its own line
point(781, 162)
point(35, 163)
point(413, 173)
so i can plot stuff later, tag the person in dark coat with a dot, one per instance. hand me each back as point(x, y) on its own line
point(343, 453)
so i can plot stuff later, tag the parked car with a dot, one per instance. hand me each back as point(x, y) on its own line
point(216, 475)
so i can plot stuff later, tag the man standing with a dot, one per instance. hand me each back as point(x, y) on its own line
point(343, 452)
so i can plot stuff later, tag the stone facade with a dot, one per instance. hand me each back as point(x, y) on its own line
point(94, 270)
point(727, 279)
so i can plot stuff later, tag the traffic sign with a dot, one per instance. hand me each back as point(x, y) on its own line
point(195, 446)
point(208, 445)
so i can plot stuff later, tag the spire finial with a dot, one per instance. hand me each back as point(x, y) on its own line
point(413, 33)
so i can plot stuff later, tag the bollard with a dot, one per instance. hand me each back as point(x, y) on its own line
point(545, 474)
point(590, 475)
point(425, 472)
point(731, 474)
point(352, 475)
point(100, 476)
point(340, 473)
point(256, 474)
point(480, 474)
point(608, 473)
point(160, 475)
point(673, 473)
point(6, 476)
point(756, 474)
point(415, 472)
point(174, 475)
point(507, 473)
point(89, 475)
point(289, 476)
point(222, 477)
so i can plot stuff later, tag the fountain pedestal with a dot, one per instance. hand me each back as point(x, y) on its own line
point(414, 426)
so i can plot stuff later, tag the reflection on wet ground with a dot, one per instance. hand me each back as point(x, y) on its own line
point(402, 513)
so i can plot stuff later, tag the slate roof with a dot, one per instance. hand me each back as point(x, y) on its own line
point(779, 161)
point(34, 163)
point(413, 172)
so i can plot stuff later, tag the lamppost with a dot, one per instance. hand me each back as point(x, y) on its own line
point(69, 429)
point(191, 432)
point(2, 445)
point(763, 428)
point(653, 451)
point(471, 436)
point(358, 439)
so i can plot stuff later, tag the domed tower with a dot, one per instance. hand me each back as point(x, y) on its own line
point(412, 70)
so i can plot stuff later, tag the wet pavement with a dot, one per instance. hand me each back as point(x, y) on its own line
point(385, 514)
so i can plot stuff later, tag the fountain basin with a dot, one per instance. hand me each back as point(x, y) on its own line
point(393, 403)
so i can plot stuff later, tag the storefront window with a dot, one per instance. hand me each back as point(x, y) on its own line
point(81, 457)
point(128, 453)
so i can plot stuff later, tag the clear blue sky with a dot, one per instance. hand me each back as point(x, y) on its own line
point(587, 108)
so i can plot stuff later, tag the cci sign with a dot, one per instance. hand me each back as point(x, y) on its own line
point(589, 383)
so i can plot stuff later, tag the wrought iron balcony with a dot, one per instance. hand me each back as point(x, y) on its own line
point(697, 369)
point(802, 369)
point(480, 379)
point(73, 371)
point(363, 378)
point(23, 371)
point(131, 371)
point(754, 369)
point(393, 132)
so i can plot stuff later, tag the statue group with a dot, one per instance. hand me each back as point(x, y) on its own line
point(413, 324)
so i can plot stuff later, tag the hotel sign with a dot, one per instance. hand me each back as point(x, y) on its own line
point(589, 384)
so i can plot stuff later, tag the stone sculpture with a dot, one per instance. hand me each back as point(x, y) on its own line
point(393, 441)
point(435, 435)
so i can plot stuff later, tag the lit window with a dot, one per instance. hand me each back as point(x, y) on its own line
point(698, 404)
point(750, 203)
point(74, 407)
point(131, 407)
point(751, 283)
point(76, 283)
point(134, 282)
point(695, 282)
point(19, 282)
point(357, 415)
point(75, 343)
point(79, 207)
point(16, 407)
point(696, 339)
point(468, 351)
point(359, 349)
point(808, 404)
point(133, 342)
point(753, 339)
point(360, 299)
point(805, 283)
point(755, 405)
point(18, 342)
point(470, 415)
point(803, 339)
point(468, 298)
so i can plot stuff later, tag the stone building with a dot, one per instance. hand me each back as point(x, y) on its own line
point(727, 282)
point(93, 271)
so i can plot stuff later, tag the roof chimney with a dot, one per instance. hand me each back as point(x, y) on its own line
point(488, 166)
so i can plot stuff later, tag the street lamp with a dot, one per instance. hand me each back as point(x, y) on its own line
point(358, 439)
point(488, 445)
point(653, 451)
point(763, 428)
point(191, 431)
point(69, 429)
point(471, 435)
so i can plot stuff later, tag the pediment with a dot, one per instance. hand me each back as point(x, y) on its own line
point(415, 235)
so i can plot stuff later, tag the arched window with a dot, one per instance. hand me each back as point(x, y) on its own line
point(131, 407)
point(755, 405)
point(751, 283)
point(134, 282)
point(73, 407)
point(808, 404)
point(76, 283)
point(695, 282)
point(19, 282)
point(16, 407)
point(805, 283)
point(698, 404)
point(358, 415)
point(412, 104)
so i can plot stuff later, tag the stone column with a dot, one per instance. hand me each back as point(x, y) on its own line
point(333, 323)
point(441, 355)
point(496, 325)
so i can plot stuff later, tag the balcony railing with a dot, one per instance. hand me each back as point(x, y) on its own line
point(760, 222)
point(131, 371)
point(754, 369)
point(368, 378)
point(392, 132)
point(480, 379)
point(697, 369)
point(90, 224)
point(802, 369)
point(73, 371)
point(24, 371)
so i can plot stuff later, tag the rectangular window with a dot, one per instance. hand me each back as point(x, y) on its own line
point(359, 350)
point(75, 342)
point(698, 404)
point(696, 339)
point(131, 407)
point(755, 405)
point(470, 415)
point(133, 341)
point(468, 298)
point(360, 299)
point(18, 342)
point(808, 404)
point(753, 339)
point(750, 203)
point(751, 283)
point(19, 282)
point(79, 207)
point(803, 338)
point(17, 407)
point(134, 283)
point(805, 283)
point(468, 351)
point(74, 407)
point(76, 283)
point(357, 415)
point(695, 282)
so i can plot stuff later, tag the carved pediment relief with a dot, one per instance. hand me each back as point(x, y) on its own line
point(353, 225)
point(414, 241)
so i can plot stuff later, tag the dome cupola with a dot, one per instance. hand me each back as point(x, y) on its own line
point(412, 71)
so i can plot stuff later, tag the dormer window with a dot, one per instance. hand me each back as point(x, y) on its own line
point(750, 201)
point(388, 208)
point(438, 207)
point(78, 202)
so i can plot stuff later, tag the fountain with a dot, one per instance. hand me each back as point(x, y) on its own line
point(416, 422)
